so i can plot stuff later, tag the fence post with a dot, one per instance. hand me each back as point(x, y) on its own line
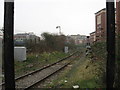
point(110, 69)
point(9, 44)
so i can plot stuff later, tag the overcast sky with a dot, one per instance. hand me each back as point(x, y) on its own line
point(74, 16)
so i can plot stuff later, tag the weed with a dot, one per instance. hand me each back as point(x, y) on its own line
point(78, 75)
point(36, 61)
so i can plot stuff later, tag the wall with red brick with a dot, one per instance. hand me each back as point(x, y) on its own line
point(100, 27)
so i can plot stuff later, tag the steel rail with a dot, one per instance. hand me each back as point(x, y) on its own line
point(47, 76)
point(44, 67)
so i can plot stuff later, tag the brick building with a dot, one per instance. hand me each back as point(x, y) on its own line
point(100, 18)
point(92, 37)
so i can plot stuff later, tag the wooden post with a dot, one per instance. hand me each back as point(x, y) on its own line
point(110, 69)
point(9, 44)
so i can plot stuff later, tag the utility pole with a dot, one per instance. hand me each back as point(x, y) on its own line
point(9, 44)
point(110, 68)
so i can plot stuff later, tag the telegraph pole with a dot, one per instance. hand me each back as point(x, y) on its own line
point(9, 44)
point(110, 69)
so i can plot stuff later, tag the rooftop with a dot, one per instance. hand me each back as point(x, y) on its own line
point(104, 9)
point(31, 33)
point(92, 32)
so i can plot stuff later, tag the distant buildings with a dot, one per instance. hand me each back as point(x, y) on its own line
point(69, 40)
point(77, 39)
point(100, 25)
point(100, 32)
point(20, 38)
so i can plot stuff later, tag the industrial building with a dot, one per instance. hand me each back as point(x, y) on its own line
point(92, 37)
point(100, 25)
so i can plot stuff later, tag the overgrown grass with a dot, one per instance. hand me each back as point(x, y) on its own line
point(82, 73)
point(99, 50)
point(100, 53)
point(37, 61)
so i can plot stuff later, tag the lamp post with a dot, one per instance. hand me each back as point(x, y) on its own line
point(59, 29)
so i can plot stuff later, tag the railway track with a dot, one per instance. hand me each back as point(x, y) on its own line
point(29, 80)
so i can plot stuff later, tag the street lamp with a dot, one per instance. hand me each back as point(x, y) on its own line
point(59, 29)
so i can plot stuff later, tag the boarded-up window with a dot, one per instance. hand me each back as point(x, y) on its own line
point(99, 19)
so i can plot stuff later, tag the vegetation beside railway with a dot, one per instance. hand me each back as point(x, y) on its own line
point(117, 77)
point(36, 61)
point(83, 72)
point(100, 55)
point(49, 42)
point(46, 51)
point(99, 50)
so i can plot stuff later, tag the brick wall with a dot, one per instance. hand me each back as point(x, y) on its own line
point(100, 18)
point(92, 37)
